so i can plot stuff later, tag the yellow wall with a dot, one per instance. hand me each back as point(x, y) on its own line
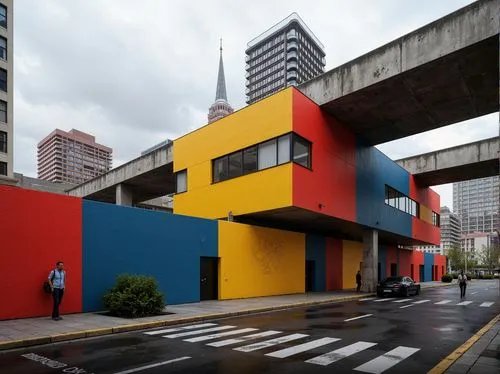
point(352, 256)
point(263, 190)
point(425, 214)
point(258, 261)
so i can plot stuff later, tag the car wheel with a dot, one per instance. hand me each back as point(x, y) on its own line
point(406, 292)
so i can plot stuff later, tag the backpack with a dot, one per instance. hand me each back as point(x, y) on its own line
point(46, 284)
point(462, 278)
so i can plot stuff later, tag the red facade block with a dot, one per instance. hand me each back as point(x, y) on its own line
point(405, 262)
point(426, 232)
point(392, 259)
point(37, 230)
point(333, 264)
point(417, 259)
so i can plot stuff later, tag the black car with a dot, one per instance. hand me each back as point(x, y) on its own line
point(401, 286)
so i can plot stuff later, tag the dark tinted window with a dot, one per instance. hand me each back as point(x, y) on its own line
point(221, 169)
point(235, 164)
point(3, 168)
point(301, 151)
point(394, 279)
point(3, 141)
point(3, 16)
point(250, 160)
point(3, 80)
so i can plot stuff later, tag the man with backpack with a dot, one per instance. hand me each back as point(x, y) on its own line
point(462, 282)
point(57, 282)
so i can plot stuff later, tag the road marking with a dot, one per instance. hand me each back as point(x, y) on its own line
point(270, 343)
point(421, 301)
point(368, 298)
point(487, 304)
point(244, 338)
point(165, 331)
point(406, 306)
point(401, 301)
point(340, 353)
point(215, 336)
point(465, 303)
point(473, 293)
point(154, 365)
point(180, 335)
point(443, 302)
point(387, 360)
point(354, 318)
point(381, 300)
point(287, 352)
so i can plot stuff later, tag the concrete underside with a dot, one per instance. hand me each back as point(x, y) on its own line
point(444, 73)
point(302, 220)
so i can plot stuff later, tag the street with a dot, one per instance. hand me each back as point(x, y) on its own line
point(372, 335)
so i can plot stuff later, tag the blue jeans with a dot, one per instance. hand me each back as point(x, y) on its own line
point(57, 295)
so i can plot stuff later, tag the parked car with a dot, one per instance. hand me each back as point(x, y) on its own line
point(400, 286)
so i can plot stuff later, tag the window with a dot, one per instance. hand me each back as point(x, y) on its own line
point(301, 151)
point(435, 219)
point(3, 48)
point(267, 156)
point(3, 80)
point(3, 16)
point(401, 202)
point(3, 168)
point(220, 169)
point(250, 160)
point(3, 141)
point(284, 149)
point(235, 161)
point(181, 181)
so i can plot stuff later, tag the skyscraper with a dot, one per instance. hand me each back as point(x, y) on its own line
point(6, 90)
point(477, 203)
point(220, 108)
point(287, 54)
point(450, 232)
point(72, 157)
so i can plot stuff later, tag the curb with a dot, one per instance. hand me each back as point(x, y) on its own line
point(23, 343)
point(457, 353)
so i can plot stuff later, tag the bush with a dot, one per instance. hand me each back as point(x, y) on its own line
point(488, 276)
point(470, 276)
point(455, 275)
point(447, 278)
point(134, 296)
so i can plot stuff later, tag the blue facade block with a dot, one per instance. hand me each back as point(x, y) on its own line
point(382, 260)
point(428, 264)
point(316, 251)
point(118, 240)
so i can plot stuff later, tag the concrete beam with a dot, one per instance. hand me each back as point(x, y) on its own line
point(468, 161)
point(440, 74)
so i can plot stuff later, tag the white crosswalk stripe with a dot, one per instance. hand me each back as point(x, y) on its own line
point(401, 301)
point(487, 304)
point(270, 343)
point(421, 301)
point(339, 354)
point(243, 339)
point(287, 352)
point(387, 360)
point(198, 332)
point(165, 331)
point(219, 335)
point(367, 299)
point(443, 302)
point(381, 300)
point(465, 303)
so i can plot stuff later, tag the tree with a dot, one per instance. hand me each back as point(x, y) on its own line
point(457, 259)
point(489, 257)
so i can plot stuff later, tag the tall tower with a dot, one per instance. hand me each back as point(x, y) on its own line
point(221, 107)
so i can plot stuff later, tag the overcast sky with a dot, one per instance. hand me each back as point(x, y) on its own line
point(135, 73)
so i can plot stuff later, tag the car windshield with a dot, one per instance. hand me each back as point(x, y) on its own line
point(394, 279)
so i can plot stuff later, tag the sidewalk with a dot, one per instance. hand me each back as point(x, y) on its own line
point(34, 331)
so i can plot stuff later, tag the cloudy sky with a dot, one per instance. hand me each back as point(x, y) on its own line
point(135, 73)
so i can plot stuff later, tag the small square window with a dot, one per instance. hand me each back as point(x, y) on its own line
point(301, 151)
point(3, 142)
point(181, 181)
point(3, 168)
point(3, 16)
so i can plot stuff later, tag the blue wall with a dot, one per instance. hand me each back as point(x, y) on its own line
point(374, 171)
point(316, 251)
point(428, 263)
point(382, 259)
point(119, 240)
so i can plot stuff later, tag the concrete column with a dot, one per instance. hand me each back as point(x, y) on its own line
point(369, 272)
point(123, 195)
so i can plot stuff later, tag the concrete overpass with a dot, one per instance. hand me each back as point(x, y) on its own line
point(468, 161)
point(443, 73)
point(144, 178)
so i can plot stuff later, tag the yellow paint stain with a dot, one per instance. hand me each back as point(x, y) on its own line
point(257, 261)
point(352, 256)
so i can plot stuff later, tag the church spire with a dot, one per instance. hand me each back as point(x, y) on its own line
point(221, 107)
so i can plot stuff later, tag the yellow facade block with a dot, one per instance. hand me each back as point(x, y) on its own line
point(257, 261)
point(352, 257)
point(425, 214)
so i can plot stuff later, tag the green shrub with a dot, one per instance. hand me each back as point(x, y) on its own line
point(134, 296)
point(447, 278)
point(488, 276)
point(455, 276)
point(470, 276)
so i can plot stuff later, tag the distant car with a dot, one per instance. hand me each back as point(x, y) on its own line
point(400, 286)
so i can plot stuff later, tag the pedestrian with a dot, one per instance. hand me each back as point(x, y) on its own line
point(462, 282)
point(358, 281)
point(57, 281)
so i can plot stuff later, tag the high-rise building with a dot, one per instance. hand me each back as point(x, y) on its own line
point(476, 242)
point(287, 54)
point(6, 91)
point(72, 157)
point(477, 203)
point(220, 108)
point(450, 233)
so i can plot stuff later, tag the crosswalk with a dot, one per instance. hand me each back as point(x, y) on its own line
point(321, 351)
point(448, 302)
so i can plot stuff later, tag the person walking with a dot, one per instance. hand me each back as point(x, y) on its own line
point(462, 282)
point(57, 281)
point(358, 281)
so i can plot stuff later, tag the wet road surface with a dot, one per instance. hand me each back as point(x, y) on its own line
point(373, 335)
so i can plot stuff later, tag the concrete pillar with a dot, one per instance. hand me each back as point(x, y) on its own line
point(369, 272)
point(123, 195)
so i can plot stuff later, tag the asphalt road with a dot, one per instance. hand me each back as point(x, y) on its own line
point(393, 335)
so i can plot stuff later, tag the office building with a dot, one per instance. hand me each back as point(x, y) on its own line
point(221, 107)
point(6, 92)
point(474, 243)
point(287, 54)
point(72, 157)
point(450, 233)
point(477, 203)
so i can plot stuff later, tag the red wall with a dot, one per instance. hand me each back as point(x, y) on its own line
point(333, 175)
point(392, 257)
point(333, 264)
point(424, 231)
point(417, 259)
point(405, 260)
point(440, 261)
point(37, 230)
